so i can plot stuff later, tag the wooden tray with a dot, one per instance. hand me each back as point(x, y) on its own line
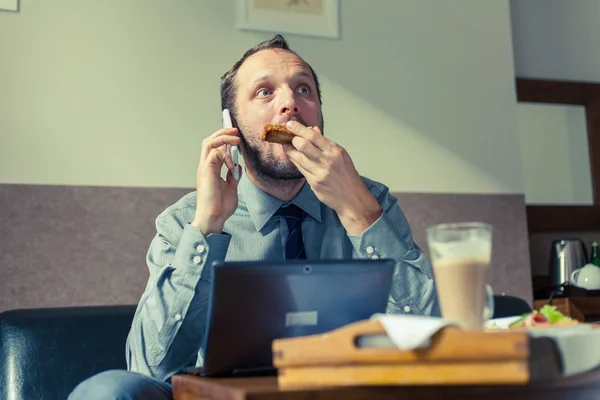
point(455, 357)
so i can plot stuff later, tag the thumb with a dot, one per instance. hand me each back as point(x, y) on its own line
point(232, 182)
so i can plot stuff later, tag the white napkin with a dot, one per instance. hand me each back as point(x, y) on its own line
point(409, 332)
point(577, 345)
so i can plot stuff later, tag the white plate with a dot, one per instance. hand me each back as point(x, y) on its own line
point(500, 323)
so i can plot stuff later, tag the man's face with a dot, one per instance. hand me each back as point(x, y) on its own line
point(273, 87)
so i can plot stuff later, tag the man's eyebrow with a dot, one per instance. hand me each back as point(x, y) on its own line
point(304, 73)
point(260, 79)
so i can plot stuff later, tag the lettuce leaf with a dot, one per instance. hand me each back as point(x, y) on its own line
point(552, 313)
point(548, 311)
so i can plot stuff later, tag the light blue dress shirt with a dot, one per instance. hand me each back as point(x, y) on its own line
point(168, 326)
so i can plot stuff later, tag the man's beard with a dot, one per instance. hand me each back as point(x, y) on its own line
point(265, 165)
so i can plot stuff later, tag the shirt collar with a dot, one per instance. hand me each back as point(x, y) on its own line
point(261, 205)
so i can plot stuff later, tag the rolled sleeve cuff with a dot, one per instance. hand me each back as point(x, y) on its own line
point(380, 240)
point(195, 250)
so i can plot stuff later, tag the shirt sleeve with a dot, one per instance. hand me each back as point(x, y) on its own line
point(390, 236)
point(168, 326)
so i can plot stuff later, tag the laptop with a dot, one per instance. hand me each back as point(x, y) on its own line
point(252, 303)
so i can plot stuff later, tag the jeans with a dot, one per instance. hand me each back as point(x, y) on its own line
point(121, 385)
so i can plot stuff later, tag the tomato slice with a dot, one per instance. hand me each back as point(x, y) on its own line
point(538, 317)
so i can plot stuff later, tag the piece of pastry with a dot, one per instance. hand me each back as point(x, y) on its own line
point(277, 134)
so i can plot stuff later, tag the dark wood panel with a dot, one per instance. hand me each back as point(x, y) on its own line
point(563, 218)
point(557, 92)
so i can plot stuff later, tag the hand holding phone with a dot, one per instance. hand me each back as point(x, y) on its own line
point(217, 198)
point(233, 150)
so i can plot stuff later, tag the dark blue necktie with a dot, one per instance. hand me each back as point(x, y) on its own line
point(294, 246)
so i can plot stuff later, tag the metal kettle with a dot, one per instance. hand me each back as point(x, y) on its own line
point(566, 256)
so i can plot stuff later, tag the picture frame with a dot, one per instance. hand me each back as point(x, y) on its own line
point(315, 18)
point(9, 5)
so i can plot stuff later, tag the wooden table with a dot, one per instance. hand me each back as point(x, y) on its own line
point(187, 387)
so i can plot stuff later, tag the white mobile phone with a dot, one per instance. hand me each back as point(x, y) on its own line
point(233, 150)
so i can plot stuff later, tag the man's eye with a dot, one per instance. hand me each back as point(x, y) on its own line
point(304, 90)
point(263, 92)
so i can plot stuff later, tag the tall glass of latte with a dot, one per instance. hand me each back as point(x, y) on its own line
point(460, 254)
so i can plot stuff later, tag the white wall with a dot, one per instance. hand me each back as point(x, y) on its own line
point(557, 39)
point(556, 164)
point(420, 92)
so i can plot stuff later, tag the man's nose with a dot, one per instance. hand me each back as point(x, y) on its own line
point(288, 103)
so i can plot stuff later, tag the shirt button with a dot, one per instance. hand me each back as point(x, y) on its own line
point(370, 249)
point(407, 309)
point(200, 248)
point(177, 317)
point(197, 260)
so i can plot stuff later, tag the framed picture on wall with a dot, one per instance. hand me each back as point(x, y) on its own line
point(318, 18)
point(9, 5)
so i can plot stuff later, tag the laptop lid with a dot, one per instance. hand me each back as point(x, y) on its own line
point(252, 303)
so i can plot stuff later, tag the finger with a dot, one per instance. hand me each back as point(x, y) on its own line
point(224, 131)
point(303, 170)
point(301, 160)
point(306, 147)
point(221, 141)
point(232, 182)
point(218, 142)
point(316, 138)
point(216, 158)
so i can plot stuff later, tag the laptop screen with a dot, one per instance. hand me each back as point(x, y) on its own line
point(253, 303)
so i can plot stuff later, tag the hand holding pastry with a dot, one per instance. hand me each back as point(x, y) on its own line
point(331, 174)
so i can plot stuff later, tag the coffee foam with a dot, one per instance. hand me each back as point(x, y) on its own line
point(476, 251)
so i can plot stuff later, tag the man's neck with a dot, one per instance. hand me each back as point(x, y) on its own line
point(284, 190)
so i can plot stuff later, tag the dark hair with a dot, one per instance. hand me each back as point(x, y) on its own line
point(228, 81)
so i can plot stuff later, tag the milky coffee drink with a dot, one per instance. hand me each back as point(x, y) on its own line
point(461, 289)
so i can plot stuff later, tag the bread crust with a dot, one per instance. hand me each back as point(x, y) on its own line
point(275, 133)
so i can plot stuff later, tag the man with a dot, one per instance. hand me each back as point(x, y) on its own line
point(342, 216)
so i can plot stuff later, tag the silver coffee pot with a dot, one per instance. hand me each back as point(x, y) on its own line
point(566, 256)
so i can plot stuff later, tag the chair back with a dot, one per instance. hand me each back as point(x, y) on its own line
point(45, 353)
point(509, 306)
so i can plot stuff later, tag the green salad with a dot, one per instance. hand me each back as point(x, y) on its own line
point(547, 315)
